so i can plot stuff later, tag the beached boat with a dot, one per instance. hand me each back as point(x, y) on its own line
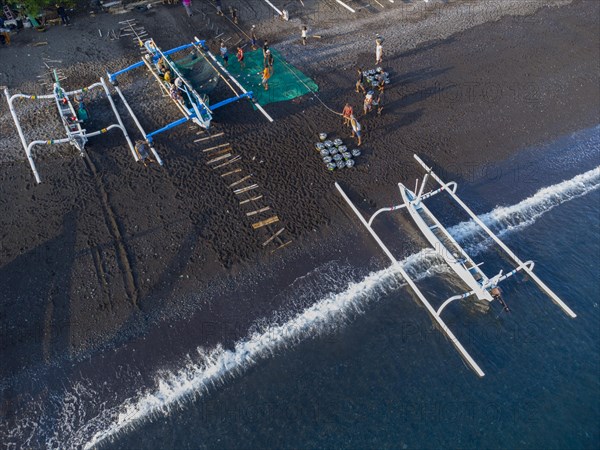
point(75, 134)
point(193, 105)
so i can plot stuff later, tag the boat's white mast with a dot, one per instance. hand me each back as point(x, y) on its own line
point(422, 187)
point(496, 239)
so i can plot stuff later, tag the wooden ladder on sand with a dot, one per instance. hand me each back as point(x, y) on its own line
point(221, 157)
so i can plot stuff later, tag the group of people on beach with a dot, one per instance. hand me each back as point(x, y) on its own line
point(175, 84)
point(373, 98)
point(268, 60)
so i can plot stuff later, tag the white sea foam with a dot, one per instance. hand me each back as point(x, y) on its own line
point(506, 219)
point(212, 368)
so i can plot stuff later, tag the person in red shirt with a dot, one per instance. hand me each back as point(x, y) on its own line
point(347, 113)
point(240, 57)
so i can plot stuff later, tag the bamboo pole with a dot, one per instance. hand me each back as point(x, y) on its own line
point(215, 147)
point(258, 211)
point(220, 152)
point(240, 181)
point(234, 159)
point(209, 137)
point(281, 246)
point(253, 199)
point(231, 172)
point(273, 237)
point(219, 158)
point(265, 222)
point(245, 189)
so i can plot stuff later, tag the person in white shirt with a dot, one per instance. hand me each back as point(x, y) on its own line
point(378, 51)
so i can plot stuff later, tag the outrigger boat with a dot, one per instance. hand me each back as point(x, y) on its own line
point(480, 285)
point(193, 105)
point(75, 134)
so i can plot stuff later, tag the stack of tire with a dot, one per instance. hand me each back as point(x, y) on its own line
point(375, 76)
point(335, 154)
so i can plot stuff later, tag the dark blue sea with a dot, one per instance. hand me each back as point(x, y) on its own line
point(364, 367)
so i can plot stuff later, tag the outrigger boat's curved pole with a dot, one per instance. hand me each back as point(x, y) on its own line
point(451, 184)
point(13, 113)
point(396, 264)
point(496, 280)
point(382, 210)
point(508, 251)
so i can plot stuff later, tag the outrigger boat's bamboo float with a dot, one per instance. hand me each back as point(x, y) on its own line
point(480, 285)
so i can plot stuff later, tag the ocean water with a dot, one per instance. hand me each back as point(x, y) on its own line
point(365, 368)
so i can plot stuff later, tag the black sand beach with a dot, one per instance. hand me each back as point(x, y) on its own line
point(106, 253)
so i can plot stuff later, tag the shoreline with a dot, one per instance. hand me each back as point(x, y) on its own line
point(54, 236)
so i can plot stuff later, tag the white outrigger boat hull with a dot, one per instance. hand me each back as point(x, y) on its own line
point(445, 245)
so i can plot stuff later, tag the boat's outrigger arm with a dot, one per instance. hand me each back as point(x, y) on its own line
point(451, 185)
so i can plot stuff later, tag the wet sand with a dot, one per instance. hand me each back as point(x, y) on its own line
point(105, 251)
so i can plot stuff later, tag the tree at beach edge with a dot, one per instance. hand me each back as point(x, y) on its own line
point(36, 7)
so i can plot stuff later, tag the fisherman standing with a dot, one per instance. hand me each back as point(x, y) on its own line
point(253, 38)
point(224, 52)
point(234, 16)
point(265, 50)
point(304, 33)
point(270, 61)
point(356, 129)
point(63, 15)
point(240, 57)
point(360, 83)
point(347, 113)
point(368, 103)
point(378, 50)
point(219, 6)
point(187, 4)
point(379, 101)
point(266, 76)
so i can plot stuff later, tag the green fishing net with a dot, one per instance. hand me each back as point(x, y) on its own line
point(286, 82)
